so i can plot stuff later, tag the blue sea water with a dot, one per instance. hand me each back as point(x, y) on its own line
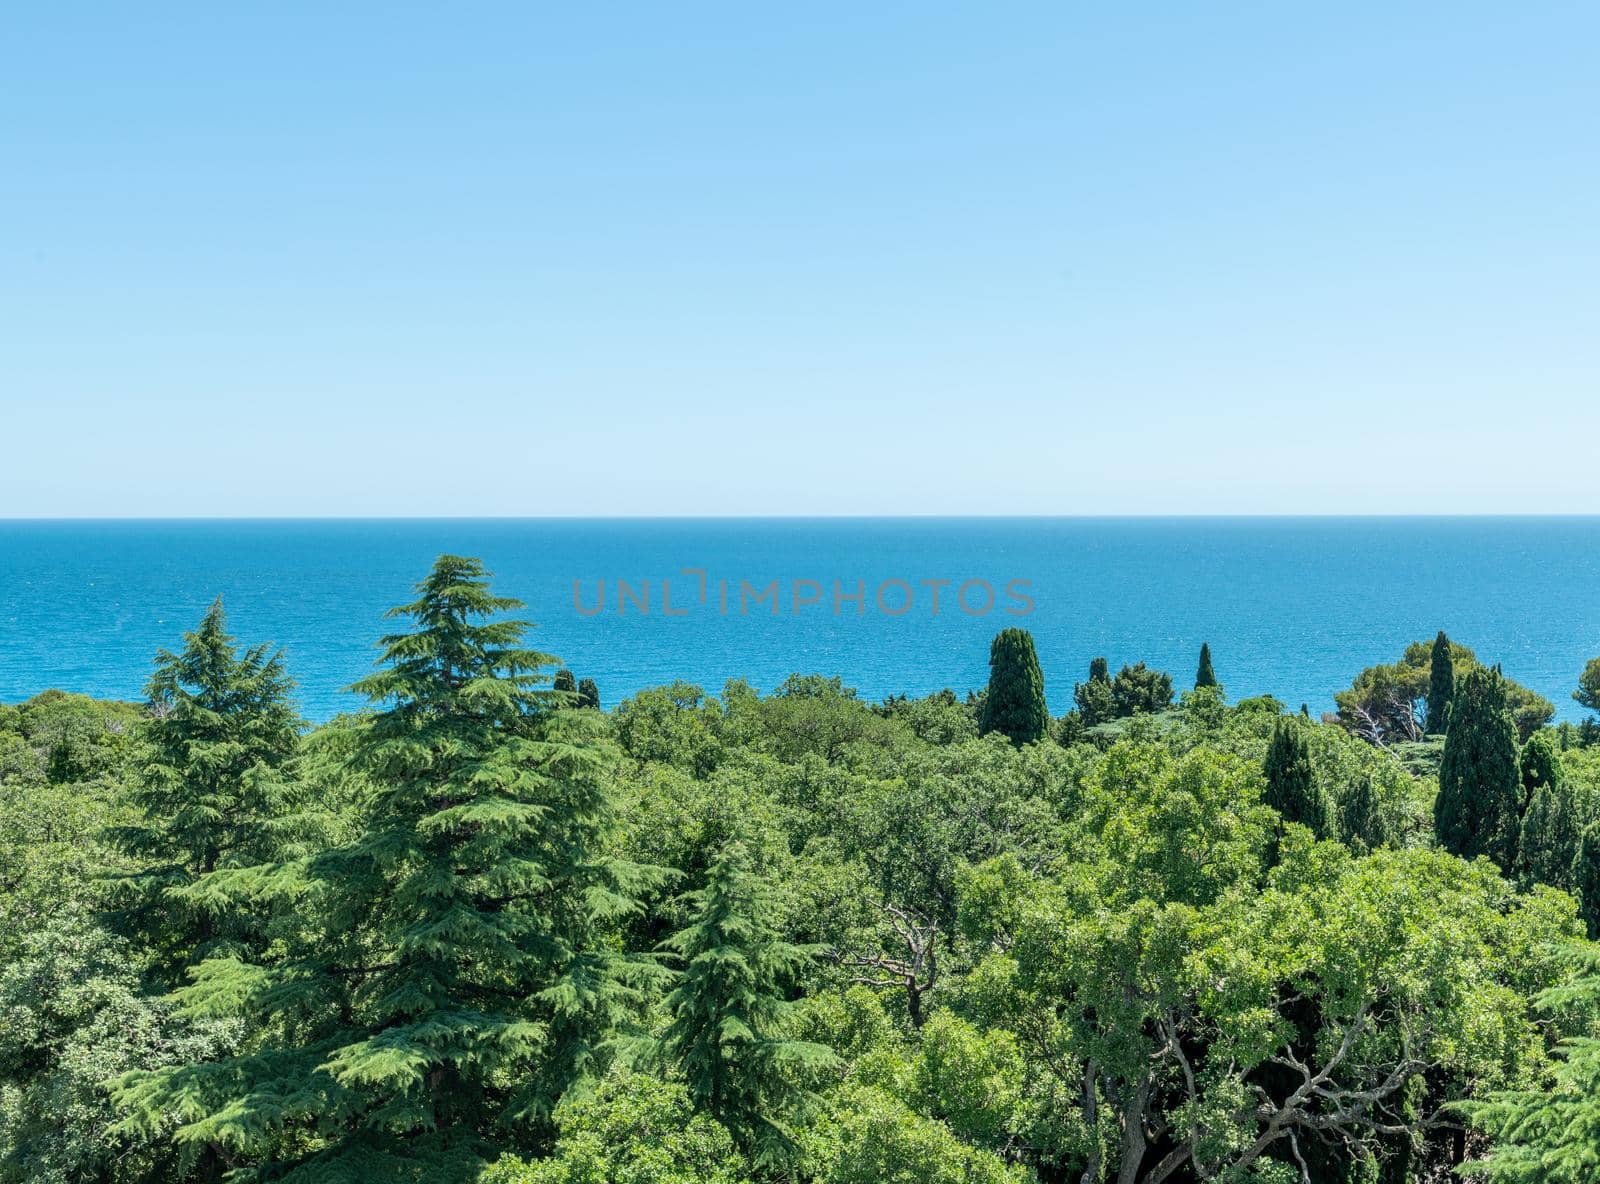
point(1291, 607)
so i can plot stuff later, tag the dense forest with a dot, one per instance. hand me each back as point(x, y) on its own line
point(484, 930)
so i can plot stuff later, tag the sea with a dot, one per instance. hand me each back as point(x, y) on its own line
point(1292, 607)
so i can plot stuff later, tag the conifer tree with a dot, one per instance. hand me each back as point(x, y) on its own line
point(1477, 811)
point(1586, 878)
point(1205, 676)
point(1096, 701)
point(1362, 824)
point(730, 1010)
point(1588, 692)
point(460, 976)
point(564, 682)
point(1015, 705)
point(1441, 685)
point(1292, 788)
point(211, 791)
point(588, 694)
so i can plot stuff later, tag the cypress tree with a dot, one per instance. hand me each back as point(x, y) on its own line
point(564, 682)
point(461, 974)
point(1550, 830)
point(210, 794)
point(1480, 785)
point(1205, 676)
point(1441, 685)
point(1292, 788)
point(1586, 878)
point(588, 694)
point(1014, 705)
point(1361, 821)
point(730, 1011)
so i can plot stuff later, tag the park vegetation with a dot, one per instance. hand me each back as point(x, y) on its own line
point(483, 930)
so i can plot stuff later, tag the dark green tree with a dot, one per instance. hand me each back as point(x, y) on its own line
point(1096, 704)
point(1205, 676)
point(1362, 824)
point(1138, 690)
point(1477, 811)
point(211, 792)
point(1014, 705)
point(731, 1014)
point(1441, 685)
point(565, 682)
point(1585, 879)
point(1588, 692)
point(1292, 788)
point(461, 974)
point(588, 694)
point(1551, 823)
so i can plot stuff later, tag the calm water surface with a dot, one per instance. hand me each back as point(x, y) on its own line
point(1291, 607)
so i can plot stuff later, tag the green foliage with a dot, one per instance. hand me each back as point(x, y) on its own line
point(876, 1139)
point(1096, 703)
point(1588, 692)
point(730, 1015)
point(1015, 704)
point(1292, 788)
point(1441, 685)
point(1549, 1133)
point(588, 694)
point(1586, 877)
point(675, 725)
point(1138, 690)
point(632, 1130)
point(1389, 704)
point(211, 792)
point(459, 981)
point(1205, 676)
point(71, 1016)
point(970, 1080)
point(1478, 808)
point(564, 683)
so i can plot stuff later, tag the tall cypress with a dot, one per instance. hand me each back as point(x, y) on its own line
point(1586, 878)
point(1292, 788)
point(1205, 676)
point(1015, 704)
point(461, 973)
point(1441, 685)
point(211, 791)
point(565, 682)
point(731, 1014)
point(1477, 811)
point(588, 693)
point(1550, 830)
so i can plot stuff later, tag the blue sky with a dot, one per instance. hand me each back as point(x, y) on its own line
point(799, 259)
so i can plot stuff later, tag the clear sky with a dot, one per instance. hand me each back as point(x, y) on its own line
point(799, 259)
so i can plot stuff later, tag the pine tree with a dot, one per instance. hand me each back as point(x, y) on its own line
point(1205, 676)
point(730, 1011)
point(1441, 685)
point(588, 694)
point(564, 682)
point(1480, 785)
point(211, 792)
point(1588, 692)
point(460, 976)
point(1096, 701)
point(1292, 788)
point(1015, 705)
